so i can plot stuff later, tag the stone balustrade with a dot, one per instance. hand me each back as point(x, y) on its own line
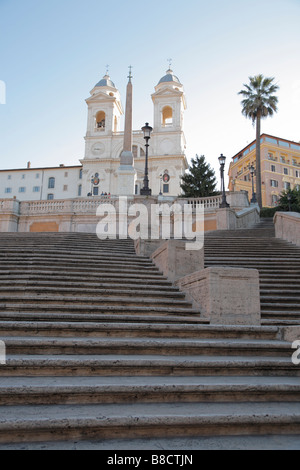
point(80, 214)
point(287, 226)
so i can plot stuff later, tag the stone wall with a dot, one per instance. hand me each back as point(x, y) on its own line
point(287, 226)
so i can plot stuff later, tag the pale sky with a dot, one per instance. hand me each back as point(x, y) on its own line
point(53, 52)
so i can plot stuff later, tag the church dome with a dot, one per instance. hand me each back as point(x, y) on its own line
point(169, 77)
point(106, 81)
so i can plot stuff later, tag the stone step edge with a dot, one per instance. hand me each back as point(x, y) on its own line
point(136, 425)
point(115, 394)
point(165, 328)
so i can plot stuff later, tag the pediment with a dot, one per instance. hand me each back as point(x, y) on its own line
point(167, 92)
point(100, 96)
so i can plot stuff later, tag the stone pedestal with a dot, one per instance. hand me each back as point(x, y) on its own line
point(175, 261)
point(126, 180)
point(225, 296)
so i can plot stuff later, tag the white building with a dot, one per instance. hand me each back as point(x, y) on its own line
point(98, 172)
point(38, 184)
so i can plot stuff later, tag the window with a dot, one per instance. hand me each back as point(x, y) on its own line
point(274, 200)
point(8, 190)
point(273, 168)
point(95, 191)
point(283, 144)
point(286, 171)
point(50, 197)
point(165, 188)
point(79, 190)
point(66, 174)
point(297, 173)
point(22, 189)
point(282, 159)
point(295, 146)
point(65, 187)
point(80, 174)
point(37, 176)
point(167, 116)
point(51, 183)
point(9, 177)
point(274, 183)
point(36, 189)
point(100, 120)
point(271, 141)
point(23, 177)
point(287, 185)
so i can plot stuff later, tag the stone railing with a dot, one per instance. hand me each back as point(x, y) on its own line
point(287, 226)
point(212, 202)
point(42, 207)
point(74, 206)
point(90, 205)
point(9, 206)
point(237, 200)
point(228, 219)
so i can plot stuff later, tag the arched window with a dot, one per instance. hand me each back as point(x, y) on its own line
point(100, 120)
point(51, 183)
point(167, 116)
point(79, 190)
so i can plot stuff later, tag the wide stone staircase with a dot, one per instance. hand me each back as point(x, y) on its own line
point(102, 350)
point(277, 261)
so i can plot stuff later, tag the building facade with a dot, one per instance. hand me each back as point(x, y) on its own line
point(280, 168)
point(97, 173)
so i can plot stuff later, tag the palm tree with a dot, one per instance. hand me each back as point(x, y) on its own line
point(259, 102)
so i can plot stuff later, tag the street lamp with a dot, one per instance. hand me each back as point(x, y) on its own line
point(160, 183)
point(146, 191)
point(224, 203)
point(252, 171)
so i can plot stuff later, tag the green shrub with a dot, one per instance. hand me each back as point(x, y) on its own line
point(269, 211)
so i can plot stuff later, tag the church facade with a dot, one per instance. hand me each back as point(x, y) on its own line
point(99, 170)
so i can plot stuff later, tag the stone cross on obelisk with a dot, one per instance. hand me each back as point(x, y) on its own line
point(126, 171)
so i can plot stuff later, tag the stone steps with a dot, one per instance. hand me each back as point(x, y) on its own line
point(67, 365)
point(277, 261)
point(147, 279)
point(59, 328)
point(99, 390)
point(51, 346)
point(84, 309)
point(122, 291)
point(118, 352)
point(158, 317)
point(146, 286)
point(146, 420)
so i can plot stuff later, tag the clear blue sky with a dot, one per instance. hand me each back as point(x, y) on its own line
point(52, 52)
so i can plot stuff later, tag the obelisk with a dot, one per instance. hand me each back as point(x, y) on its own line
point(126, 171)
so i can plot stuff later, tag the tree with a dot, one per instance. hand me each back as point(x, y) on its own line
point(200, 181)
point(290, 199)
point(259, 102)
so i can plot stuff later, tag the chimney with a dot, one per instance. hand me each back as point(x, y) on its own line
point(28, 165)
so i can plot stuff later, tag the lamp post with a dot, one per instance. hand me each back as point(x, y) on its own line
point(160, 183)
point(146, 191)
point(252, 171)
point(224, 203)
